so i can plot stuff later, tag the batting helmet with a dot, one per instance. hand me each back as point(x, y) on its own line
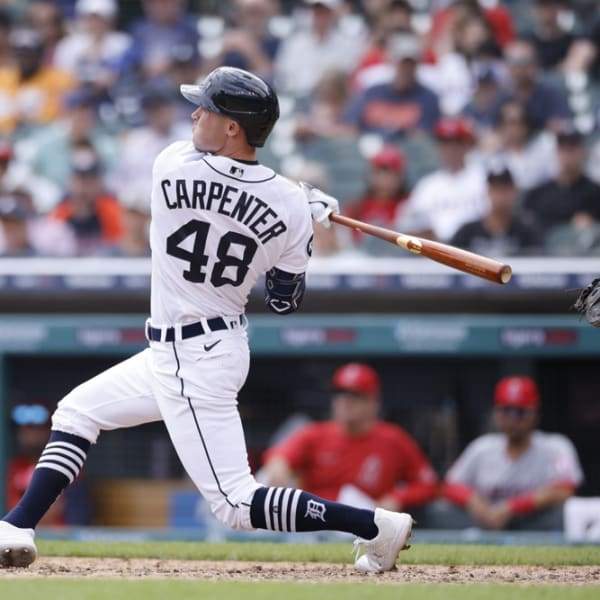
point(356, 377)
point(241, 96)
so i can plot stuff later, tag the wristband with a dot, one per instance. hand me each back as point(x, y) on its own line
point(522, 504)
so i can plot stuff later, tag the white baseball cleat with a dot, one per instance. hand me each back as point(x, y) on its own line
point(17, 548)
point(381, 552)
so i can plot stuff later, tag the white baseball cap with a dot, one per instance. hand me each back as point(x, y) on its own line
point(328, 3)
point(403, 45)
point(103, 8)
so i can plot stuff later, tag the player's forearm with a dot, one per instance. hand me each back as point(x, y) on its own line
point(277, 473)
point(457, 493)
point(415, 494)
point(540, 499)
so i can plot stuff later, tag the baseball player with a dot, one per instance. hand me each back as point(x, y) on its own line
point(219, 221)
point(517, 473)
point(355, 457)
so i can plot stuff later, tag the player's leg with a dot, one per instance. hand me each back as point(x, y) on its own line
point(198, 400)
point(119, 397)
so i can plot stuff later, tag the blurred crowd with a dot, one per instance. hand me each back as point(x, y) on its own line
point(472, 122)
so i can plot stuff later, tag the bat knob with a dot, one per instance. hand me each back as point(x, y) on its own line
point(505, 274)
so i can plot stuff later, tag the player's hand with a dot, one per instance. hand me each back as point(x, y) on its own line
point(488, 516)
point(321, 204)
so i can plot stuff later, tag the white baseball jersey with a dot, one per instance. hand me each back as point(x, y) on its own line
point(217, 225)
point(485, 465)
point(443, 201)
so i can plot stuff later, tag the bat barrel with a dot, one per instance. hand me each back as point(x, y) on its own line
point(451, 256)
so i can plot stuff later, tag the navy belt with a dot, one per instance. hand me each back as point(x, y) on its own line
point(155, 334)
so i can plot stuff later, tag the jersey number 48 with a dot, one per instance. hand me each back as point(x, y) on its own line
point(237, 266)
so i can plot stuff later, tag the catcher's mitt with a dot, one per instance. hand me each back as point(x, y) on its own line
point(588, 303)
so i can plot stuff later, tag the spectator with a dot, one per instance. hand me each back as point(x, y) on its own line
point(584, 53)
point(354, 457)
point(31, 93)
point(32, 423)
point(17, 174)
point(94, 214)
point(14, 233)
point(551, 39)
point(488, 74)
point(140, 145)
point(400, 106)
point(519, 477)
point(383, 200)
point(135, 239)
point(325, 115)
point(247, 42)
point(453, 195)
point(500, 232)
point(385, 18)
point(545, 101)
point(305, 55)
point(164, 26)
point(94, 50)
point(6, 57)
point(452, 75)
point(44, 16)
point(570, 198)
point(530, 154)
point(184, 66)
point(24, 232)
point(439, 37)
point(48, 151)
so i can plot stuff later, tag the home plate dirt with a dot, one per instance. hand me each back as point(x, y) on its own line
point(137, 568)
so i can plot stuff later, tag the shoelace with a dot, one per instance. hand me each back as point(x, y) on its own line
point(360, 544)
point(357, 546)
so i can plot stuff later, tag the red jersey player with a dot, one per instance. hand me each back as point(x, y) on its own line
point(355, 454)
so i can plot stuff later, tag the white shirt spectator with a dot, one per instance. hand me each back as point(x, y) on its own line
point(304, 57)
point(486, 466)
point(90, 53)
point(534, 165)
point(444, 201)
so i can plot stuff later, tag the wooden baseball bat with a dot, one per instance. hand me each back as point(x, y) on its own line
point(463, 260)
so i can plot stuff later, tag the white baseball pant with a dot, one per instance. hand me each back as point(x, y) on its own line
point(194, 391)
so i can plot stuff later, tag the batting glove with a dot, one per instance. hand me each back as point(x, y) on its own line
point(321, 204)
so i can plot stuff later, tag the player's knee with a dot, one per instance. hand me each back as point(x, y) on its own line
point(233, 510)
point(69, 417)
point(235, 517)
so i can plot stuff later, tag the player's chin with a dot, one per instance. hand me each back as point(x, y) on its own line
point(202, 145)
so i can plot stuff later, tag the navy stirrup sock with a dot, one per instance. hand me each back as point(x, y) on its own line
point(57, 467)
point(287, 509)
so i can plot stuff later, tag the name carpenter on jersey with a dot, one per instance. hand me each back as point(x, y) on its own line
point(227, 200)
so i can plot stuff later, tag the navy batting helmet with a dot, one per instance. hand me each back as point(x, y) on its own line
point(241, 96)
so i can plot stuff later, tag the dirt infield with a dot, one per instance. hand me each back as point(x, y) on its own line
point(314, 572)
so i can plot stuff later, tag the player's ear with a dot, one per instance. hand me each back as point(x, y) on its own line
point(233, 128)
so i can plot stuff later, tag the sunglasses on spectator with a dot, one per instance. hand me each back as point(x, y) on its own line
point(514, 411)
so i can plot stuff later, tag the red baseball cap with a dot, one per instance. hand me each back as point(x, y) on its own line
point(454, 128)
point(517, 390)
point(356, 377)
point(389, 157)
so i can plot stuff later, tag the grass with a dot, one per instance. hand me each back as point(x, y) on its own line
point(431, 554)
point(90, 588)
point(155, 590)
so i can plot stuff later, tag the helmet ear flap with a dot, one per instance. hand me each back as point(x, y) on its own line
point(241, 96)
